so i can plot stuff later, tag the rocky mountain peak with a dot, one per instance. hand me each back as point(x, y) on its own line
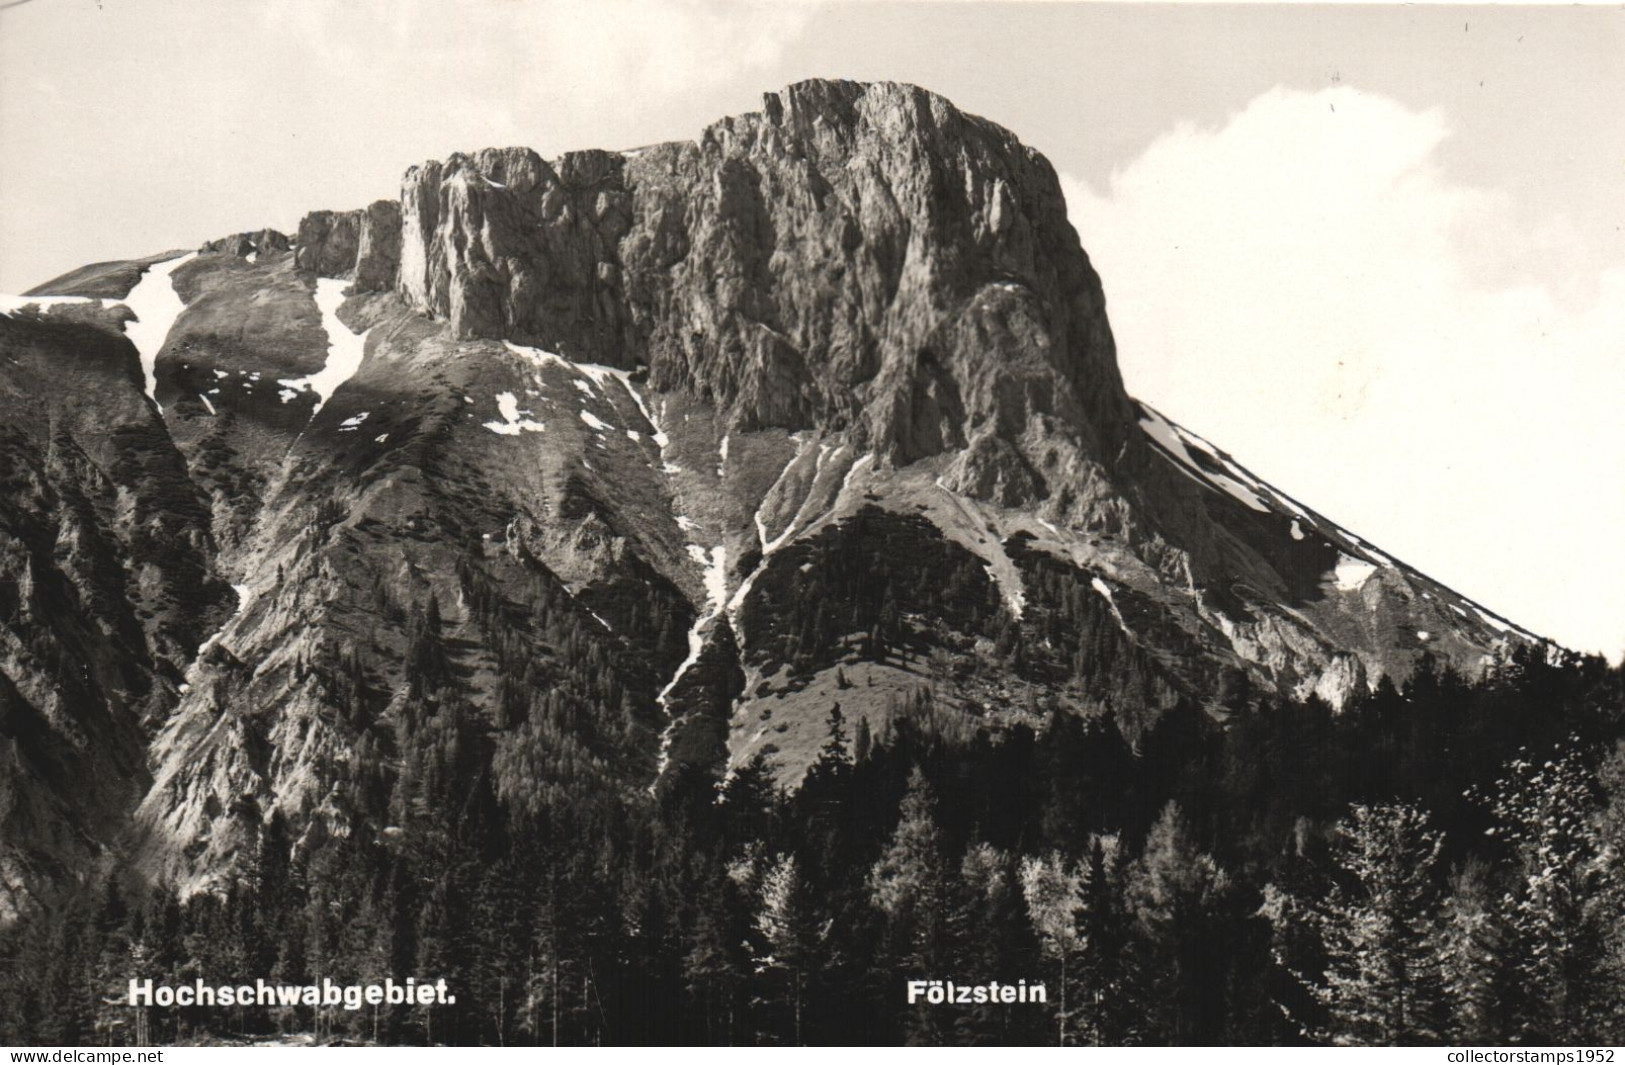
point(859, 256)
point(292, 519)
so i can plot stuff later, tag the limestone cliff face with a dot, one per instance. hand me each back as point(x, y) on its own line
point(327, 242)
point(862, 256)
point(378, 249)
point(363, 246)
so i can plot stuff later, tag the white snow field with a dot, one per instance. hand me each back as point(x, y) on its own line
point(156, 305)
point(345, 349)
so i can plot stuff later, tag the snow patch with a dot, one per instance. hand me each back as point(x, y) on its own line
point(722, 455)
point(770, 545)
point(1106, 593)
point(539, 356)
point(208, 645)
point(155, 305)
point(1501, 625)
point(1287, 502)
point(345, 349)
point(660, 438)
point(716, 586)
point(1173, 442)
point(350, 425)
point(824, 452)
point(863, 461)
point(600, 376)
point(1297, 530)
point(595, 422)
point(514, 421)
point(1015, 597)
point(11, 305)
point(1352, 573)
point(206, 402)
point(716, 571)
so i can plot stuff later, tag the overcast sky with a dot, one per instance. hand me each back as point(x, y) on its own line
point(1375, 252)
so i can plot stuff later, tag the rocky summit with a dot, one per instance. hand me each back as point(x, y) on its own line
point(577, 471)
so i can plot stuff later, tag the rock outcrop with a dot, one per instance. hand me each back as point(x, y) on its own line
point(242, 245)
point(363, 246)
point(328, 242)
point(502, 244)
point(378, 251)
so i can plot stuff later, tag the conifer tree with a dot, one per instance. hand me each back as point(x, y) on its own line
point(993, 939)
point(1473, 959)
point(910, 885)
point(1105, 1014)
point(792, 935)
point(1378, 926)
point(714, 972)
point(1053, 896)
point(1180, 901)
point(1564, 909)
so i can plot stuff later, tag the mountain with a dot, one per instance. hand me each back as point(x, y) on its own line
point(574, 472)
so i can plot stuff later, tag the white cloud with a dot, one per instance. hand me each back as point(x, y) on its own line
point(1306, 286)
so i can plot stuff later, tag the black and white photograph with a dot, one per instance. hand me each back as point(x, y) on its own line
point(557, 523)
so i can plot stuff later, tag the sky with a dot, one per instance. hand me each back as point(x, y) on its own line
point(1375, 252)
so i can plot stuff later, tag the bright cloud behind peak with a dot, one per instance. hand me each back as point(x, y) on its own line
point(1305, 284)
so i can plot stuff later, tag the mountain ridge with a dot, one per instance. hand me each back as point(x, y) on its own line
point(619, 463)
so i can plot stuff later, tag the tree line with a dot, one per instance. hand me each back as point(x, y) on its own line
point(1437, 863)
